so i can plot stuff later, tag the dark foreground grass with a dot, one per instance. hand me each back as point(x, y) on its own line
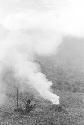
point(50, 115)
point(67, 113)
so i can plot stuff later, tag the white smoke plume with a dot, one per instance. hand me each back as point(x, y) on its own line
point(37, 28)
point(19, 50)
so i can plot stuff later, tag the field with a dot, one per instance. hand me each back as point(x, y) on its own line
point(69, 112)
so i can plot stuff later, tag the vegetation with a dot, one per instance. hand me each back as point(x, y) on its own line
point(69, 112)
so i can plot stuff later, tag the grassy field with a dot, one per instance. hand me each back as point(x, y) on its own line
point(69, 112)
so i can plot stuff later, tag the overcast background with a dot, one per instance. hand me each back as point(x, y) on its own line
point(68, 64)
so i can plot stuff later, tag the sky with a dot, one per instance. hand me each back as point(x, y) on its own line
point(67, 13)
point(63, 15)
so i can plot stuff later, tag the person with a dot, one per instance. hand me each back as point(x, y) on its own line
point(28, 106)
point(28, 102)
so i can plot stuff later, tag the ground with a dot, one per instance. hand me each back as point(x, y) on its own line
point(69, 112)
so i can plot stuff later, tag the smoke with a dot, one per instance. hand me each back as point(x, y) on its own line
point(19, 53)
point(38, 30)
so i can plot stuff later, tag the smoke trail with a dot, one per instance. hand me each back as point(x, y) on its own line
point(43, 31)
point(23, 48)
